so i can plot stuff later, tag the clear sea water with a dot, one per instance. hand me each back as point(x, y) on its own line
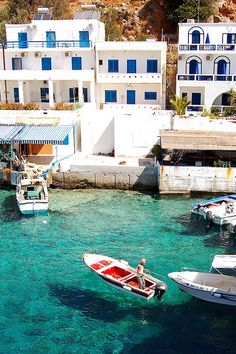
point(52, 303)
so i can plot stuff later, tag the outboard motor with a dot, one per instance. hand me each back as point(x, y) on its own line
point(209, 219)
point(160, 290)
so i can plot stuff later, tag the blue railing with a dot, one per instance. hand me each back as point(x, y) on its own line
point(46, 44)
point(206, 47)
point(206, 77)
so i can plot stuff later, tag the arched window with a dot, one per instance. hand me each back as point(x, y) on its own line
point(193, 66)
point(222, 66)
point(195, 35)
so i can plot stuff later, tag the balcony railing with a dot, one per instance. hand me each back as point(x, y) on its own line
point(195, 108)
point(206, 47)
point(46, 44)
point(206, 77)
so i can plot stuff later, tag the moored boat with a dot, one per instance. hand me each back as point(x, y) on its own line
point(224, 264)
point(217, 288)
point(221, 210)
point(123, 277)
point(32, 196)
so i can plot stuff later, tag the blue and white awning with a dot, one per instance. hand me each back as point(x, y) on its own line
point(8, 132)
point(38, 134)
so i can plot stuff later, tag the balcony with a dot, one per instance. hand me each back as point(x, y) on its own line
point(206, 47)
point(58, 75)
point(48, 45)
point(205, 77)
point(129, 78)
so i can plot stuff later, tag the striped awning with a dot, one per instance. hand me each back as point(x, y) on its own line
point(8, 132)
point(38, 134)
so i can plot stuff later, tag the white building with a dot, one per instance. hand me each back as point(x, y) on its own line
point(206, 63)
point(50, 61)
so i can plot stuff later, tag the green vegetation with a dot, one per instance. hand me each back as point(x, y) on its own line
point(21, 11)
point(181, 10)
point(180, 104)
point(112, 29)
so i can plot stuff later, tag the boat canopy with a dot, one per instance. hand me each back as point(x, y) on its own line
point(224, 261)
point(35, 134)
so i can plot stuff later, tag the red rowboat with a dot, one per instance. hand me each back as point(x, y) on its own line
point(123, 277)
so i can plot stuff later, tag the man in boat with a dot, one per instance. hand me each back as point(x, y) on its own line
point(140, 273)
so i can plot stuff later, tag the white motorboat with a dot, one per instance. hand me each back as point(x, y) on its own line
point(221, 210)
point(123, 277)
point(224, 264)
point(32, 196)
point(217, 288)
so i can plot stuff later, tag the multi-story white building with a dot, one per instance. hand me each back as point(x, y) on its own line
point(50, 61)
point(206, 63)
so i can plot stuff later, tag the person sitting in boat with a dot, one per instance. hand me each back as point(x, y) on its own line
point(140, 273)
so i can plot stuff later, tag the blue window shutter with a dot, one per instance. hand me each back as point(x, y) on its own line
point(22, 40)
point(44, 93)
point(84, 39)
point(221, 67)
point(196, 37)
point(130, 96)
point(110, 96)
point(113, 66)
point(151, 66)
point(131, 66)
point(16, 94)
point(46, 64)
point(196, 98)
point(51, 39)
point(194, 67)
point(76, 63)
point(150, 96)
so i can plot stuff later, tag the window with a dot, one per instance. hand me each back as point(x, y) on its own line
point(51, 39)
point(22, 40)
point(16, 64)
point(44, 93)
point(193, 66)
point(196, 37)
point(84, 39)
point(150, 96)
point(131, 96)
point(184, 94)
point(151, 66)
point(76, 63)
point(113, 66)
point(196, 98)
point(74, 94)
point(225, 99)
point(131, 66)
point(222, 67)
point(231, 38)
point(16, 94)
point(46, 64)
point(110, 96)
point(100, 62)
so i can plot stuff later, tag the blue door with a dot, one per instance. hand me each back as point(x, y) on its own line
point(131, 66)
point(16, 94)
point(193, 67)
point(84, 39)
point(46, 64)
point(22, 40)
point(196, 37)
point(130, 96)
point(221, 67)
point(196, 98)
point(44, 93)
point(76, 63)
point(51, 39)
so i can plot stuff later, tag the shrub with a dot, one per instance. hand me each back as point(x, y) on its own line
point(60, 106)
point(11, 106)
point(31, 106)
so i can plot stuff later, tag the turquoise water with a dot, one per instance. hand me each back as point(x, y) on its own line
point(52, 303)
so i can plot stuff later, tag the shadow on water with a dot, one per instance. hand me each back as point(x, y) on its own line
point(10, 211)
point(214, 325)
point(89, 303)
point(194, 225)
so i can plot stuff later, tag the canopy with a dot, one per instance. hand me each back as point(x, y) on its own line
point(35, 134)
point(8, 132)
point(224, 261)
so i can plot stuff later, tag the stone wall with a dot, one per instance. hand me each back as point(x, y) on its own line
point(182, 179)
point(116, 177)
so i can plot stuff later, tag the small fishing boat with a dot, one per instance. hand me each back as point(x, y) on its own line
point(221, 210)
point(32, 195)
point(217, 288)
point(123, 277)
